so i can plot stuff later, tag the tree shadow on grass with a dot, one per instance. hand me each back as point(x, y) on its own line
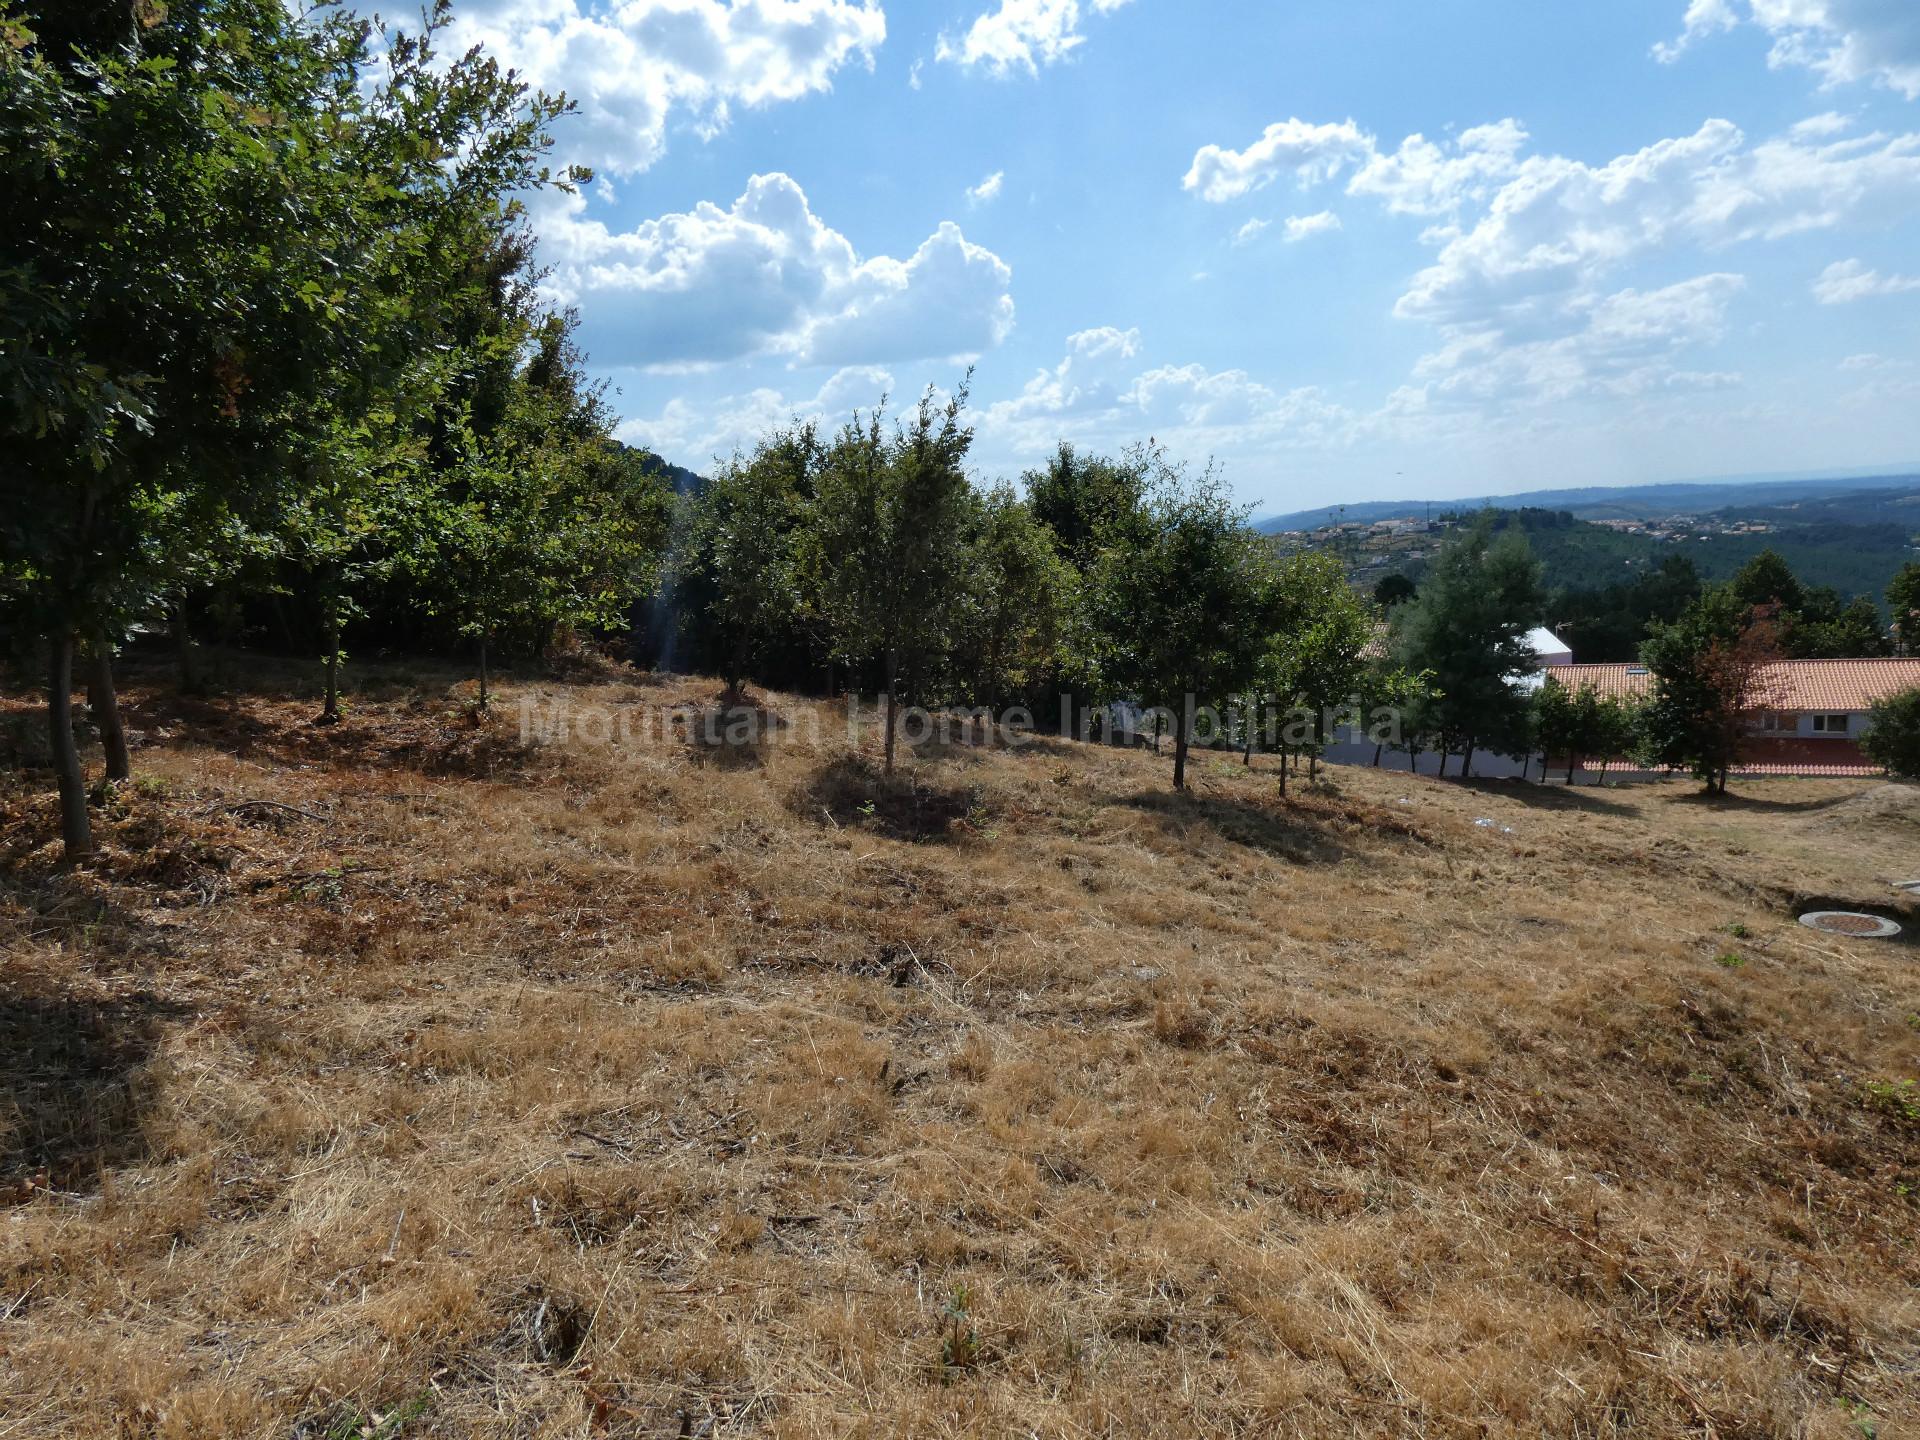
point(436, 738)
point(1550, 796)
point(71, 1086)
point(732, 733)
point(852, 793)
point(1733, 802)
point(1298, 835)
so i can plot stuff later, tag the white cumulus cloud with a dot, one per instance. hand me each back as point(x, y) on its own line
point(1104, 393)
point(1021, 35)
point(1845, 281)
point(1422, 178)
point(1305, 227)
point(633, 64)
point(766, 276)
point(716, 429)
point(1289, 147)
point(1840, 40)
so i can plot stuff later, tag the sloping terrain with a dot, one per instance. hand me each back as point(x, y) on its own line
point(406, 1079)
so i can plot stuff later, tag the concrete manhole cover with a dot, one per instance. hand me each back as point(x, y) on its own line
point(1848, 922)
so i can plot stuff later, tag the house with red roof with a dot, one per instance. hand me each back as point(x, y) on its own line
point(1815, 723)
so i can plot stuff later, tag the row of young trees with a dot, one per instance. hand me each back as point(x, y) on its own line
point(269, 334)
point(1103, 578)
point(273, 339)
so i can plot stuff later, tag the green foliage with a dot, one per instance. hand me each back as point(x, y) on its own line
point(1580, 723)
point(1709, 670)
point(1391, 590)
point(231, 240)
point(884, 555)
point(1178, 596)
point(737, 575)
point(1609, 623)
point(1897, 1099)
point(1081, 498)
point(959, 1336)
point(1903, 599)
point(1468, 630)
point(1825, 628)
point(1320, 631)
point(1018, 620)
point(1892, 738)
point(1767, 580)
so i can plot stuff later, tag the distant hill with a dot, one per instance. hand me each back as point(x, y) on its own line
point(1854, 557)
point(1600, 502)
point(682, 480)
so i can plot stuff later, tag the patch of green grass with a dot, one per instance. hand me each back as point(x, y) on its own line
point(1738, 931)
point(1730, 960)
point(352, 1424)
point(1899, 1099)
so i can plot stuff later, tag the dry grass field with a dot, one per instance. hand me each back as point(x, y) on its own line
point(401, 1080)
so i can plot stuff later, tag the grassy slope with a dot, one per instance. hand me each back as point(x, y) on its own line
point(563, 1093)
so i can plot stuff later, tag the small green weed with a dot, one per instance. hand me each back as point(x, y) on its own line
point(959, 1340)
point(352, 1424)
point(1899, 1099)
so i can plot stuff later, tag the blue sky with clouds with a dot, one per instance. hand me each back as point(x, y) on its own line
point(1348, 248)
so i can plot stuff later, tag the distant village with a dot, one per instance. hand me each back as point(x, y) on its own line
point(1373, 548)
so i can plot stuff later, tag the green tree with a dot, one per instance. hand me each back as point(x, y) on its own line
point(1392, 590)
point(1468, 629)
point(539, 519)
point(1710, 679)
point(738, 575)
point(1316, 651)
point(1178, 594)
point(885, 548)
point(1578, 722)
point(1903, 599)
point(1767, 580)
point(219, 239)
point(1080, 498)
point(1826, 629)
point(1892, 737)
point(1016, 623)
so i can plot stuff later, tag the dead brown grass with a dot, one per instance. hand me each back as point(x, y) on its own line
point(403, 1079)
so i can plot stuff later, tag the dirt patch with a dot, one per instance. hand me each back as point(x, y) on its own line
point(1884, 807)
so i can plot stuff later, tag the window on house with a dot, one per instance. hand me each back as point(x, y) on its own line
point(1830, 724)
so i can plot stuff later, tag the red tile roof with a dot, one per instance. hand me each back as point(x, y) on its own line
point(1801, 685)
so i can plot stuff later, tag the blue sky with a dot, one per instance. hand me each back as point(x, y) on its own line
point(1349, 249)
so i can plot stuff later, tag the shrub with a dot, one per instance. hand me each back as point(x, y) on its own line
point(1892, 738)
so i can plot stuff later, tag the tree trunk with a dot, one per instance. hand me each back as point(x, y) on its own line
point(1253, 724)
point(483, 670)
point(76, 827)
point(1313, 765)
point(893, 666)
point(1179, 752)
point(1446, 754)
point(1378, 750)
point(183, 643)
point(1466, 762)
point(104, 704)
point(1159, 722)
point(1285, 756)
